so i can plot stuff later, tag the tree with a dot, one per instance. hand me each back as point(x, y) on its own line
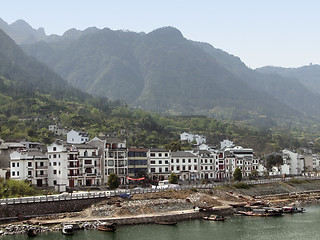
point(174, 146)
point(173, 178)
point(254, 174)
point(273, 160)
point(237, 175)
point(113, 181)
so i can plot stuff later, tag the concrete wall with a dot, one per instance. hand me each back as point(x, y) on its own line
point(26, 210)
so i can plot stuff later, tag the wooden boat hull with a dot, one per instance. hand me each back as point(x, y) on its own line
point(167, 223)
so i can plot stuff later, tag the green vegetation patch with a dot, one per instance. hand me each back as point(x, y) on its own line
point(240, 185)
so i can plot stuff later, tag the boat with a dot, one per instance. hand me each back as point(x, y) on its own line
point(107, 227)
point(215, 218)
point(166, 222)
point(67, 229)
point(264, 212)
point(32, 232)
point(289, 209)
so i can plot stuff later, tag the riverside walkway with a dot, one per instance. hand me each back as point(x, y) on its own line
point(119, 192)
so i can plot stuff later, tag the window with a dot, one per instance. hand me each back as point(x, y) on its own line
point(171, 160)
point(160, 162)
point(166, 162)
point(54, 155)
point(153, 170)
point(152, 162)
point(29, 164)
point(178, 168)
point(195, 167)
point(13, 165)
point(18, 166)
point(54, 182)
point(54, 148)
point(189, 160)
point(166, 154)
point(177, 160)
point(59, 156)
point(41, 164)
point(183, 168)
point(195, 160)
point(160, 170)
point(110, 162)
point(54, 171)
point(167, 169)
point(183, 160)
point(29, 173)
point(87, 162)
point(160, 154)
point(152, 154)
point(17, 173)
point(59, 163)
point(189, 168)
point(13, 173)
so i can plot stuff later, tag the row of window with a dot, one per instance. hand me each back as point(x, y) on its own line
point(159, 155)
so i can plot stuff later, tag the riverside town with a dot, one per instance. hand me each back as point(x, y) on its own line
point(83, 162)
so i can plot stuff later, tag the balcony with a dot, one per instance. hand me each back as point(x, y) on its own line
point(41, 175)
point(41, 167)
point(72, 166)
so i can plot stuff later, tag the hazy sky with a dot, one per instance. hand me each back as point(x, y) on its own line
point(261, 32)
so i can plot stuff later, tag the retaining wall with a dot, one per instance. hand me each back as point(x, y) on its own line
point(27, 210)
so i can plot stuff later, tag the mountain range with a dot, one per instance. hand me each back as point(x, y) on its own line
point(164, 72)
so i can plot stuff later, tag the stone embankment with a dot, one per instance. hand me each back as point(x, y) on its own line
point(176, 205)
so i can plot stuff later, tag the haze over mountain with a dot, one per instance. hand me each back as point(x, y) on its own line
point(164, 72)
point(309, 76)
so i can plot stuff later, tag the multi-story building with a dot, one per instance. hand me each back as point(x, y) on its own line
point(159, 166)
point(137, 162)
point(57, 170)
point(206, 164)
point(185, 165)
point(220, 166)
point(30, 165)
point(116, 160)
point(90, 162)
point(294, 160)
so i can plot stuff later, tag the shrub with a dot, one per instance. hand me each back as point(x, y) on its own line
point(240, 185)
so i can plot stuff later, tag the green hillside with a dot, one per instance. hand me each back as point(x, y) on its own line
point(162, 72)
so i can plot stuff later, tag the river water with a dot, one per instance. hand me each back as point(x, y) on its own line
point(290, 226)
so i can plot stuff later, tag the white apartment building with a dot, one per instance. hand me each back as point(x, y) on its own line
point(30, 165)
point(294, 160)
point(185, 165)
point(159, 163)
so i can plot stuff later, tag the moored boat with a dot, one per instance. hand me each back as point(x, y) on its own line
point(264, 212)
point(67, 229)
point(107, 227)
point(291, 209)
point(166, 222)
point(215, 218)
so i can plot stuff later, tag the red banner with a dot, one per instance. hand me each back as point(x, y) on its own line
point(136, 179)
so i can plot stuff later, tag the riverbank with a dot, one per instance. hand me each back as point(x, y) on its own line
point(175, 205)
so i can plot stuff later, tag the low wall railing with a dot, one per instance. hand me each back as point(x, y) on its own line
point(119, 192)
